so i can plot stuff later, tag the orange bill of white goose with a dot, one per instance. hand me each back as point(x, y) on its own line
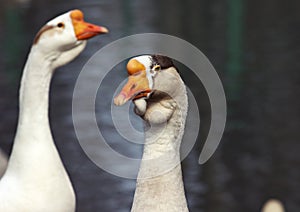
point(35, 178)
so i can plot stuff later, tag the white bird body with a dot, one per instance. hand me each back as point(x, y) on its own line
point(35, 179)
point(273, 205)
point(35, 171)
point(159, 185)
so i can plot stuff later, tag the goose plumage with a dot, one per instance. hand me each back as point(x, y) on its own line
point(160, 98)
point(35, 179)
point(273, 205)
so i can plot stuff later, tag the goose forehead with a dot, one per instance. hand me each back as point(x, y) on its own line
point(145, 60)
point(62, 18)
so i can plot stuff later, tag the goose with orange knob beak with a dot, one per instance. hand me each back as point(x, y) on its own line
point(160, 99)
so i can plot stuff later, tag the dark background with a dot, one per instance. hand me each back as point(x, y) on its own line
point(253, 45)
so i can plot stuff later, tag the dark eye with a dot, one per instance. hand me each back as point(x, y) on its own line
point(61, 25)
point(156, 68)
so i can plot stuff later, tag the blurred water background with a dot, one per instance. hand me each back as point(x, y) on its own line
point(254, 46)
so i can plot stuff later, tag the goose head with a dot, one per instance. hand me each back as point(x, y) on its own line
point(149, 74)
point(64, 37)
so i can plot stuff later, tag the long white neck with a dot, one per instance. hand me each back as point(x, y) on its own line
point(159, 184)
point(33, 126)
point(34, 90)
point(35, 171)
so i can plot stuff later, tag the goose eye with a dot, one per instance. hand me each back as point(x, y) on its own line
point(61, 25)
point(156, 68)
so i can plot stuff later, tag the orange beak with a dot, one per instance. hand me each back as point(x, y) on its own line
point(84, 30)
point(136, 87)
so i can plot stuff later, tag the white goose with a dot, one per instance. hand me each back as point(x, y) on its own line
point(160, 99)
point(273, 205)
point(35, 179)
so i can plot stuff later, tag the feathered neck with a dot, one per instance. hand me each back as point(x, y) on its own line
point(33, 128)
point(35, 168)
point(159, 184)
point(34, 88)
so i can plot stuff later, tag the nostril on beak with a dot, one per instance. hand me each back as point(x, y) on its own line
point(133, 87)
